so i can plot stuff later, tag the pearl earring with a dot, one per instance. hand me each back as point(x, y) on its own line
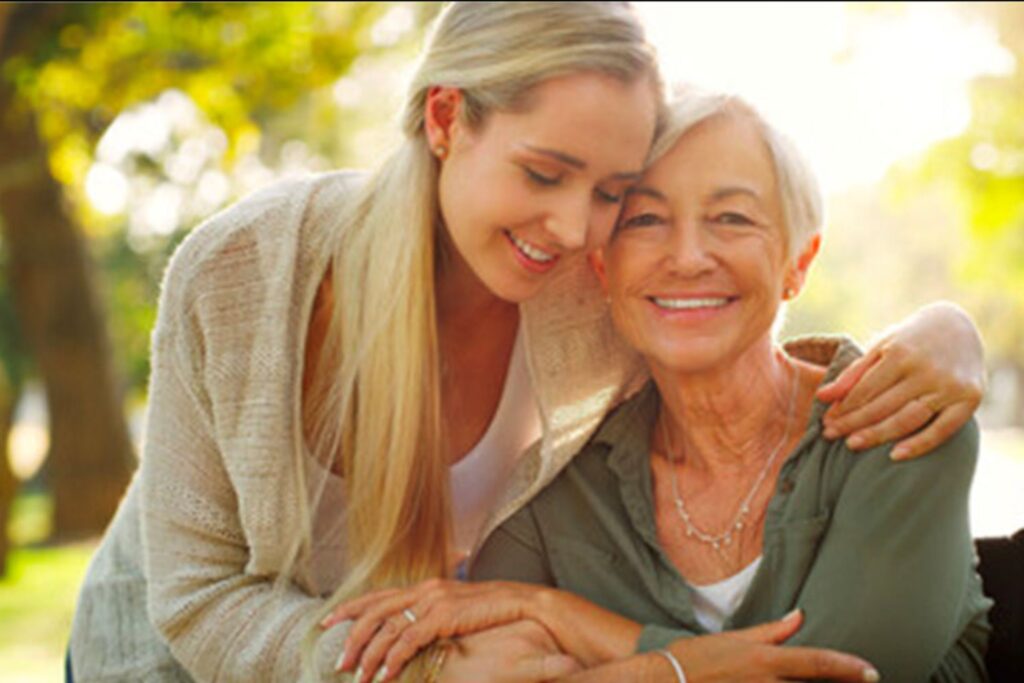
point(441, 151)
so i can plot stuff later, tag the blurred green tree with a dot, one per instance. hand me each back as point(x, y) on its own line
point(983, 169)
point(227, 73)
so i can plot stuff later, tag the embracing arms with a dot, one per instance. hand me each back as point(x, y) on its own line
point(918, 383)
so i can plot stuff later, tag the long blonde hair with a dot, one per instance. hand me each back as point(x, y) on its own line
point(375, 400)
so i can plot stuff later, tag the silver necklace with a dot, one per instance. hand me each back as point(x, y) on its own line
point(717, 541)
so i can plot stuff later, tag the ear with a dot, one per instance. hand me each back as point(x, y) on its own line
point(596, 259)
point(440, 116)
point(797, 274)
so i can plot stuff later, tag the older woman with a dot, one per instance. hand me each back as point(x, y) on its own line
point(712, 500)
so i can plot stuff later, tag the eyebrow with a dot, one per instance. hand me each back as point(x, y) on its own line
point(732, 190)
point(647, 191)
point(578, 164)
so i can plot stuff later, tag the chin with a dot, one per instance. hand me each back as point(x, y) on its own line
point(685, 359)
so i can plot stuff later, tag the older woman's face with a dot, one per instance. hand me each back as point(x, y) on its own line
point(697, 266)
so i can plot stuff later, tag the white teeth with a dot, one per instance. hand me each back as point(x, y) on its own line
point(680, 304)
point(531, 251)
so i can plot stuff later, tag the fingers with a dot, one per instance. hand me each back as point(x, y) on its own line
point(347, 610)
point(886, 404)
point(409, 642)
point(939, 431)
point(373, 654)
point(904, 418)
point(774, 632)
point(803, 663)
point(837, 389)
point(889, 367)
point(386, 613)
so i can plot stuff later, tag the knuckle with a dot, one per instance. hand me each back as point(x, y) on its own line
point(819, 662)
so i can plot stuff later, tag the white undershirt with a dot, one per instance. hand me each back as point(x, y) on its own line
point(715, 602)
point(478, 479)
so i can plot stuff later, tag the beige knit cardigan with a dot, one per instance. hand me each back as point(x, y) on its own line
point(181, 586)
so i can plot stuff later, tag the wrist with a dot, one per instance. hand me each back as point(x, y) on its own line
point(591, 634)
point(544, 605)
point(657, 667)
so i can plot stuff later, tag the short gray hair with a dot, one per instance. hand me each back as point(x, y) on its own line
point(799, 192)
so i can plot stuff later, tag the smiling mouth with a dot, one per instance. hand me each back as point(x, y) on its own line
point(689, 304)
point(535, 254)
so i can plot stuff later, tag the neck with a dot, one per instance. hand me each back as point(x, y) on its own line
point(464, 303)
point(730, 417)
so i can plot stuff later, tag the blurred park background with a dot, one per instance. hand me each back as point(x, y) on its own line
point(123, 125)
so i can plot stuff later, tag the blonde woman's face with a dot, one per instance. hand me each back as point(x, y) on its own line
point(698, 264)
point(529, 189)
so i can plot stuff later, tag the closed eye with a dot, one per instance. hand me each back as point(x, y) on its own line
point(641, 220)
point(540, 178)
point(607, 197)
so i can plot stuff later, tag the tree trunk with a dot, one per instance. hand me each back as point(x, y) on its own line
point(8, 484)
point(57, 309)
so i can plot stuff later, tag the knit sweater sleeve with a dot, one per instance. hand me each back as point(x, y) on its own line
point(220, 622)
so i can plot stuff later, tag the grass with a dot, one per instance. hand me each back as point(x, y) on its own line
point(37, 596)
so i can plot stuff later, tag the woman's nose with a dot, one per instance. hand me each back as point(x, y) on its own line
point(689, 250)
point(568, 223)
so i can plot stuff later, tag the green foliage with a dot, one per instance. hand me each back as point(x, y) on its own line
point(247, 91)
point(983, 169)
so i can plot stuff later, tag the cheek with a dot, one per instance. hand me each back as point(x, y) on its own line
point(602, 225)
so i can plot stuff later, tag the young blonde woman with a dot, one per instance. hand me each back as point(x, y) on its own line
point(356, 378)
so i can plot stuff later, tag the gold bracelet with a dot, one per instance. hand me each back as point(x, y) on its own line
point(437, 663)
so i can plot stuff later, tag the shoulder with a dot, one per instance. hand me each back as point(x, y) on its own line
point(872, 482)
point(612, 460)
point(256, 235)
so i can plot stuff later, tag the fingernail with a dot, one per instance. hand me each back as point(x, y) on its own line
point(359, 675)
point(899, 453)
point(341, 660)
point(792, 614)
point(871, 676)
point(856, 441)
point(831, 433)
point(381, 675)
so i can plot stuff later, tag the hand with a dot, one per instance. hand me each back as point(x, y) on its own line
point(925, 376)
point(521, 652)
point(383, 634)
point(752, 655)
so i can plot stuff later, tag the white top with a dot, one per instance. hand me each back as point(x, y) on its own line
point(715, 602)
point(478, 479)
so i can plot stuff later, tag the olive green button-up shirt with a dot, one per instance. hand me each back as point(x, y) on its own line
point(878, 554)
